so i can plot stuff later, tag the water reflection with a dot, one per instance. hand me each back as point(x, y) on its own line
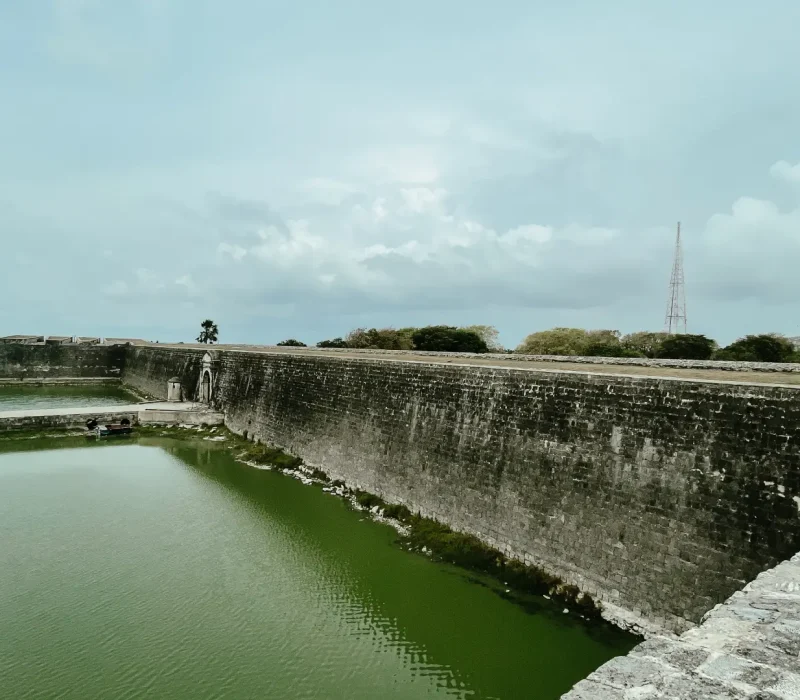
point(161, 568)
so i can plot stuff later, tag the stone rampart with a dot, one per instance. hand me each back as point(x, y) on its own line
point(660, 497)
point(746, 649)
point(33, 362)
point(149, 369)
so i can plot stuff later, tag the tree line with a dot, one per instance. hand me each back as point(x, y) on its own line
point(477, 339)
point(765, 347)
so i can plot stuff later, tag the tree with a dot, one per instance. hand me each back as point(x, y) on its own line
point(488, 334)
point(335, 343)
point(209, 332)
point(377, 339)
point(570, 341)
point(687, 347)
point(767, 347)
point(556, 341)
point(647, 343)
point(601, 348)
point(406, 337)
point(292, 343)
point(448, 339)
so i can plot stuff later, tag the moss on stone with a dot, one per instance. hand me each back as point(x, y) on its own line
point(467, 551)
point(263, 454)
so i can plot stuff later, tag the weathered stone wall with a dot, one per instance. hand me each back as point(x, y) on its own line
point(148, 369)
point(25, 362)
point(746, 649)
point(718, 365)
point(662, 497)
point(76, 420)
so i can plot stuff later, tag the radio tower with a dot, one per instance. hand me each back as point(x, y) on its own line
point(675, 321)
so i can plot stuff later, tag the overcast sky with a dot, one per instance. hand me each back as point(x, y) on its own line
point(300, 169)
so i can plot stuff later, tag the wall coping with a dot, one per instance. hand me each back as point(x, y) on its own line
point(719, 365)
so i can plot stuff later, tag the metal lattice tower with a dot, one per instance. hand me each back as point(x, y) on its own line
point(675, 320)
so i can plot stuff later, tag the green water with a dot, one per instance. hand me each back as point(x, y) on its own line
point(164, 569)
point(17, 397)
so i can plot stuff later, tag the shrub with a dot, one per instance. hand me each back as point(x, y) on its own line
point(572, 341)
point(687, 347)
point(766, 347)
point(368, 500)
point(606, 349)
point(292, 343)
point(397, 511)
point(489, 335)
point(448, 339)
point(645, 342)
point(378, 339)
point(335, 343)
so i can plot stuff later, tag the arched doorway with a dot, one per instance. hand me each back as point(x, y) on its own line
point(205, 387)
point(206, 380)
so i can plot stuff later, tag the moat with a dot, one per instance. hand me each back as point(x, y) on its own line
point(156, 567)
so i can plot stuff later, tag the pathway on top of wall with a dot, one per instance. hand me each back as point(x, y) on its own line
point(748, 648)
point(91, 410)
point(690, 370)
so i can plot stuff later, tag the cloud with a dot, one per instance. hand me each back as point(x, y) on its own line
point(328, 191)
point(786, 172)
point(187, 283)
point(518, 169)
point(420, 200)
point(235, 251)
point(420, 251)
point(414, 247)
point(752, 252)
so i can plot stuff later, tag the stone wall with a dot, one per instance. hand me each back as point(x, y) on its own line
point(149, 369)
point(68, 420)
point(746, 649)
point(27, 362)
point(659, 496)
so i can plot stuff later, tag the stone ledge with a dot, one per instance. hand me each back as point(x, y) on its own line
point(748, 648)
point(719, 365)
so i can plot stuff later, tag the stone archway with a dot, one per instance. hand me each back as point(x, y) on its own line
point(206, 380)
point(205, 388)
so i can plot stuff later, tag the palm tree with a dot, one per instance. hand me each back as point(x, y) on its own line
point(209, 332)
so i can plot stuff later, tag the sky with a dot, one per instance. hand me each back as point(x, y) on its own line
point(302, 169)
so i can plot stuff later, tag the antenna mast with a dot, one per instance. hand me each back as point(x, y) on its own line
point(675, 320)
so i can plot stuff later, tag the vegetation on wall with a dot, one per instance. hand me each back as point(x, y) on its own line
point(292, 343)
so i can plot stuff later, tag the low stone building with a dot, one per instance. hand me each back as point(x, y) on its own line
point(22, 339)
